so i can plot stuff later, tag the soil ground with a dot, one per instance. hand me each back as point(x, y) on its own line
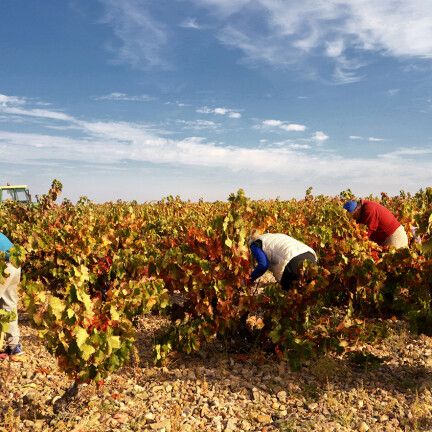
point(384, 387)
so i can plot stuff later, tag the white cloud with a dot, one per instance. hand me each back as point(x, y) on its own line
point(140, 35)
point(293, 127)
point(11, 119)
point(408, 152)
point(191, 23)
point(371, 139)
point(11, 100)
point(198, 124)
point(265, 48)
point(292, 145)
point(272, 123)
point(116, 143)
point(177, 103)
point(117, 96)
point(289, 33)
point(204, 110)
point(345, 71)
point(299, 146)
point(289, 127)
point(393, 92)
point(345, 31)
point(41, 113)
point(220, 111)
point(334, 48)
point(15, 106)
point(320, 136)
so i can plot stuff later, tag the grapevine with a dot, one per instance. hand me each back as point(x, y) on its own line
point(91, 270)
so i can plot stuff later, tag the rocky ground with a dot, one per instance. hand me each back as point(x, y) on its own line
point(385, 387)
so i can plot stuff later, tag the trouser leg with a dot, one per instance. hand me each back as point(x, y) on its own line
point(398, 239)
point(287, 279)
point(292, 269)
point(9, 302)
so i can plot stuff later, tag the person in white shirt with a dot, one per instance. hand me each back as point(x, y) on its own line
point(8, 302)
point(281, 254)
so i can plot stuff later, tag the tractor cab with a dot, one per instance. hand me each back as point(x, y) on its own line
point(18, 193)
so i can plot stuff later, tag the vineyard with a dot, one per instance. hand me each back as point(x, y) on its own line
point(90, 271)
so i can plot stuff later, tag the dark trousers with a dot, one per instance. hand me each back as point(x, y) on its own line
point(292, 269)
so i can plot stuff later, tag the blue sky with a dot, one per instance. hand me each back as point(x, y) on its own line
point(140, 99)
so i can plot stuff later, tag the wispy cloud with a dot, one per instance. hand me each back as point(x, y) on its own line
point(16, 106)
point(292, 145)
point(360, 138)
point(6, 100)
point(393, 92)
point(113, 142)
point(198, 124)
point(177, 103)
point(141, 37)
point(290, 34)
point(344, 31)
point(408, 152)
point(191, 23)
point(117, 96)
point(220, 111)
point(117, 142)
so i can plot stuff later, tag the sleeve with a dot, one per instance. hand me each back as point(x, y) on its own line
point(262, 262)
point(370, 219)
point(5, 245)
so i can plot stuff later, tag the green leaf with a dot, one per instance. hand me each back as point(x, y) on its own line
point(427, 246)
point(164, 300)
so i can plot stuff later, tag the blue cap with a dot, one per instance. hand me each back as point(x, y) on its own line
point(350, 206)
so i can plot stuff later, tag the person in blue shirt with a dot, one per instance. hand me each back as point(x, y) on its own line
point(281, 254)
point(8, 302)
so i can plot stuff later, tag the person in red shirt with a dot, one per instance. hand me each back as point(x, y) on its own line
point(383, 227)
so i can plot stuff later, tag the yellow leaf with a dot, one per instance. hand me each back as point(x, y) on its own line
point(114, 342)
point(81, 336)
point(57, 306)
point(114, 314)
point(87, 351)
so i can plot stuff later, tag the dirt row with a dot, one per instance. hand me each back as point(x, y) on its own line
point(377, 388)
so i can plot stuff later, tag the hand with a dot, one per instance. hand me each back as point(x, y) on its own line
point(253, 287)
point(250, 282)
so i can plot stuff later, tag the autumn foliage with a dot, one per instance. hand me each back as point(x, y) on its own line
point(90, 270)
